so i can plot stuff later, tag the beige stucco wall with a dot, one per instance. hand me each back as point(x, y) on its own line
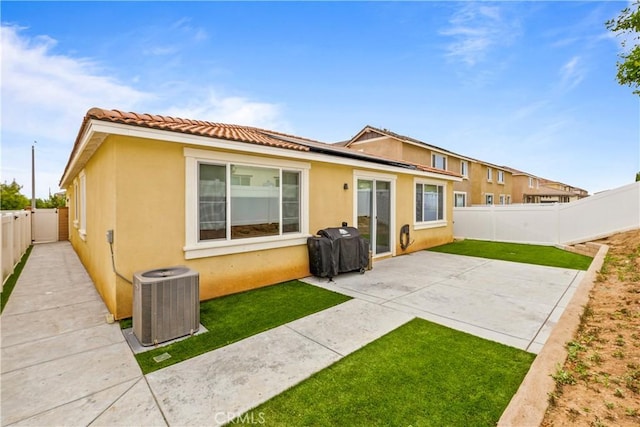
point(329, 203)
point(137, 188)
point(386, 147)
point(415, 154)
point(519, 187)
point(476, 185)
point(405, 214)
point(93, 250)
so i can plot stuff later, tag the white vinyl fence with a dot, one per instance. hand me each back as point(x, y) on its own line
point(587, 219)
point(45, 225)
point(16, 238)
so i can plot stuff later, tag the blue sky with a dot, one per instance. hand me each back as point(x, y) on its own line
point(530, 85)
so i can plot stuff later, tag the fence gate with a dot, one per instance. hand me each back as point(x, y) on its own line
point(45, 225)
point(63, 223)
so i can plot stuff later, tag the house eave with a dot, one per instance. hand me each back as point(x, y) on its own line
point(96, 131)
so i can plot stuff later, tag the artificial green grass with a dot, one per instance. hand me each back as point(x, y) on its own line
point(234, 317)
point(516, 252)
point(420, 374)
point(8, 286)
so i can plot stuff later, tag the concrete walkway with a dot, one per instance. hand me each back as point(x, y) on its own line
point(63, 364)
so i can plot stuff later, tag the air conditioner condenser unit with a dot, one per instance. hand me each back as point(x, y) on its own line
point(166, 304)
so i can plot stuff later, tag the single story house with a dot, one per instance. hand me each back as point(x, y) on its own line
point(235, 203)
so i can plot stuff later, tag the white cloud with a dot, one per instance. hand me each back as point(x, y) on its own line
point(45, 95)
point(161, 50)
point(232, 109)
point(476, 28)
point(572, 73)
point(197, 33)
point(527, 111)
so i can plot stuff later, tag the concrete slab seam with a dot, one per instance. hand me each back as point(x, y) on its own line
point(526, 408)
point(115, 400)
point(62, 334)
point(452, 319)
point(87, 350)
point(551, 312)
point(155, 399)
point(312, 340)
point(58, 307)
point(66, 403)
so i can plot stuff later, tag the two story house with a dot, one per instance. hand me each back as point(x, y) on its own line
point(482, 183)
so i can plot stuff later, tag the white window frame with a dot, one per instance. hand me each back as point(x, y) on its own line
point(464, 168)
point(486, 199)
point(501, 199)
point(199, 249)
point(456, 193)
point(76, 203)
point(489, 175)
point(434, 156)
point(530, 182)
point(508, 199)
point(82, 225)
point(500, 177)
point(377, 176)
point(435, 223)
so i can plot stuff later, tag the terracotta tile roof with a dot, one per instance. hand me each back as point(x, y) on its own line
point(246, 134)
point(196, 127)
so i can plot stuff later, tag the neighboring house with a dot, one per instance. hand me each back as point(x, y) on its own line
point(490, 184)
point(482, 183)
point(235, 203)
point(529, 188)
point(569, 193)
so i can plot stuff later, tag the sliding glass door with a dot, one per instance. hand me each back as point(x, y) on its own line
point(374, 213)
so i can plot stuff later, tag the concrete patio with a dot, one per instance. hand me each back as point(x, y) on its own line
point(63, 364)
point(511, 303)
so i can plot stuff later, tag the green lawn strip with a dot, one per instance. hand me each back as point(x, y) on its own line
point(516, 252)
point(420, 374)
point(13, 279)
point(234, 317)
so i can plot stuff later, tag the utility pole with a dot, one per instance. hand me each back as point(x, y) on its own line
point(33, 186)
point(33, 176)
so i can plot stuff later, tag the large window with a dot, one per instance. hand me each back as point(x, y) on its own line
point(501, 177)
point(430, 202)
point(252, 203)
point(242, 202)
point(439, 161)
